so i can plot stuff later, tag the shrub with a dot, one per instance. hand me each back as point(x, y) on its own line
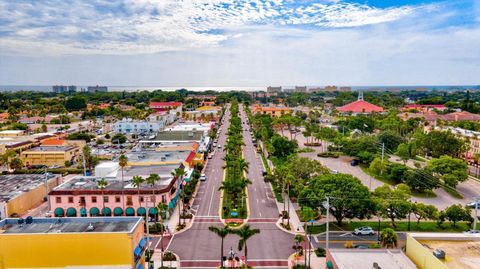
point(169, 256)
point(374, 245)
point(329, 154)
point(348, 244)
point(320, 252)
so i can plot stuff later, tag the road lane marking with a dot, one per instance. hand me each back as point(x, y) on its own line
point(211, 199)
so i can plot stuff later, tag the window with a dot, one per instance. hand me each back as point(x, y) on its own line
point(141, 199)
point(105, 199)
point(82, 200)
point(58, 200)
point(117, 199)
point(70, 200)
point(94, 199)
point(164, 199)
point(129, 200)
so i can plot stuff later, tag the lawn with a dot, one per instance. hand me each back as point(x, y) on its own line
point(402, 226)
point(383, 178)
point(453, 192)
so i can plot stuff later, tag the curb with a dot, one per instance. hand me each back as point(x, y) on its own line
point(285, 230)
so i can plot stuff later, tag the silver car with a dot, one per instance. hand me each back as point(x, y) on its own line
point(364, 231)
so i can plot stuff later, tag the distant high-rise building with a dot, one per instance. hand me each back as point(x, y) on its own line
point(345, 89)
point(273, 91)
point(97, 88)
point(331, 88)
point(59, 88)
point(300, 88)
point(72, 88)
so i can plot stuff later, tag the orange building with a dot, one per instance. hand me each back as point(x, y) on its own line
point(272, 111)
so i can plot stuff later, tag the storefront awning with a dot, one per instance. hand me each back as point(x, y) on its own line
point(59, 212)
point(118, 211)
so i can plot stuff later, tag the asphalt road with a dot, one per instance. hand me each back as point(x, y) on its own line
point(198, 247)
point(338, 239)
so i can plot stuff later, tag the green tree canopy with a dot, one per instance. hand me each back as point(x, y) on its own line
point(451, 170)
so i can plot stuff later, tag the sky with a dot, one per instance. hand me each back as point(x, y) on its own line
point(239, 43)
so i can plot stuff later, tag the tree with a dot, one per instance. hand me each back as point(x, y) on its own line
point(438, 143)
point(420, 180)
point(222, 233)
point(76, 103)
point(282, 147)
point(340, 187)
point(403, 152)
point(119, 138)
point(455, 213)
point(423, 211)
point(388, 238)
point(102, 184)
point(451, 170)
point(393, 204)
point(16, 164)
point(44, 128)
point(123, 162)
point(391, 139)
point(179, 173)
point(378, 166)
point(137, 181)
point(152, 180)
point(245, 233)
point(299, 238)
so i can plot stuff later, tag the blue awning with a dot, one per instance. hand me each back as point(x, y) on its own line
point(137, 251)
point(142, 243)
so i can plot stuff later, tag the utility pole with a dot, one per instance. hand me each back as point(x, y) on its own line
point(476, 215)
point(383, 150)
point(46, 190)
point(327, 206)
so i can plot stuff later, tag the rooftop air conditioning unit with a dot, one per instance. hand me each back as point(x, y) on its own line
point(376, 266)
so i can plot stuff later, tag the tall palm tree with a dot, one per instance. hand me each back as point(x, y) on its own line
point(123, 161)
point(136, 182)
point(179, 173)
point(288, 182)
point(245, 233)
point(222, 233)
point(102, 184)
point(152, 180)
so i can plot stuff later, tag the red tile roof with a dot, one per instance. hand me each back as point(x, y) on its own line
point(360, 106)
point(164, 104)
point(414, 106)
point(464, 115)
point(53, 142)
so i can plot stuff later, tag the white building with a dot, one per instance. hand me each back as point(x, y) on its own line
point(130, 126)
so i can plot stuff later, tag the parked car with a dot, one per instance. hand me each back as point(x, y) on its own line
point(219, 146)
point(210, 155)
point(355, 162)
point(364, 231)
point(203, 177)
point(472, 232)
point(360, 246)
point(472, 204)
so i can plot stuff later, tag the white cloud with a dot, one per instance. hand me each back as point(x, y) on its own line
point(143, 26)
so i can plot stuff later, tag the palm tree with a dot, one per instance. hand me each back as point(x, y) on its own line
point(245, 233)
point(136, 182)
point(388, 238)
point(102, 184)
point(152, 180)
point(179, 173)
point(123, 161)
point(222, 233)
point(288, 182)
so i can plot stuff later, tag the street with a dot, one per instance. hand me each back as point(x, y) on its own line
point(338, 239)
point(198, 247)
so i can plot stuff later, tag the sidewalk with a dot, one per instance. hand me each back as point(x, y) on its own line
point(295, 223)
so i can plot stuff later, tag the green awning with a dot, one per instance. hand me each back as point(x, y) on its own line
point(153, 211)
point(71, 212)
point(59, 212)
point(329, 265)
point(107, 211)
point(94, 211)
point(83, 212)
point(129, 211)
point(141, 211)
point(118, 211)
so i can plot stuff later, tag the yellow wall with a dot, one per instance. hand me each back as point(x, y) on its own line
point(422, 256)
point(49, 158)
point(27, 200)
point(60, 250)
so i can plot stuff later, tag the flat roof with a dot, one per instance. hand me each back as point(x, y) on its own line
point(70, 225)
point(364, 258)
point(12, 132)
point(50, 149)
point(116, 184)
point(164, 156)
point(460, 254)
point(14, 185)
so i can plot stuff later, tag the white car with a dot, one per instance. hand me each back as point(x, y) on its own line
point(219, 146)
point(203, 177)
point(364, 231)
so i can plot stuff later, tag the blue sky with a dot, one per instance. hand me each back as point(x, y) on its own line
point(239, 43)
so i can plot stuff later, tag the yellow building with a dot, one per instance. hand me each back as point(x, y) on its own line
point(20, 193)
point(50, 155)
point(462, 251)
point(272, 111)
point(73, 243)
